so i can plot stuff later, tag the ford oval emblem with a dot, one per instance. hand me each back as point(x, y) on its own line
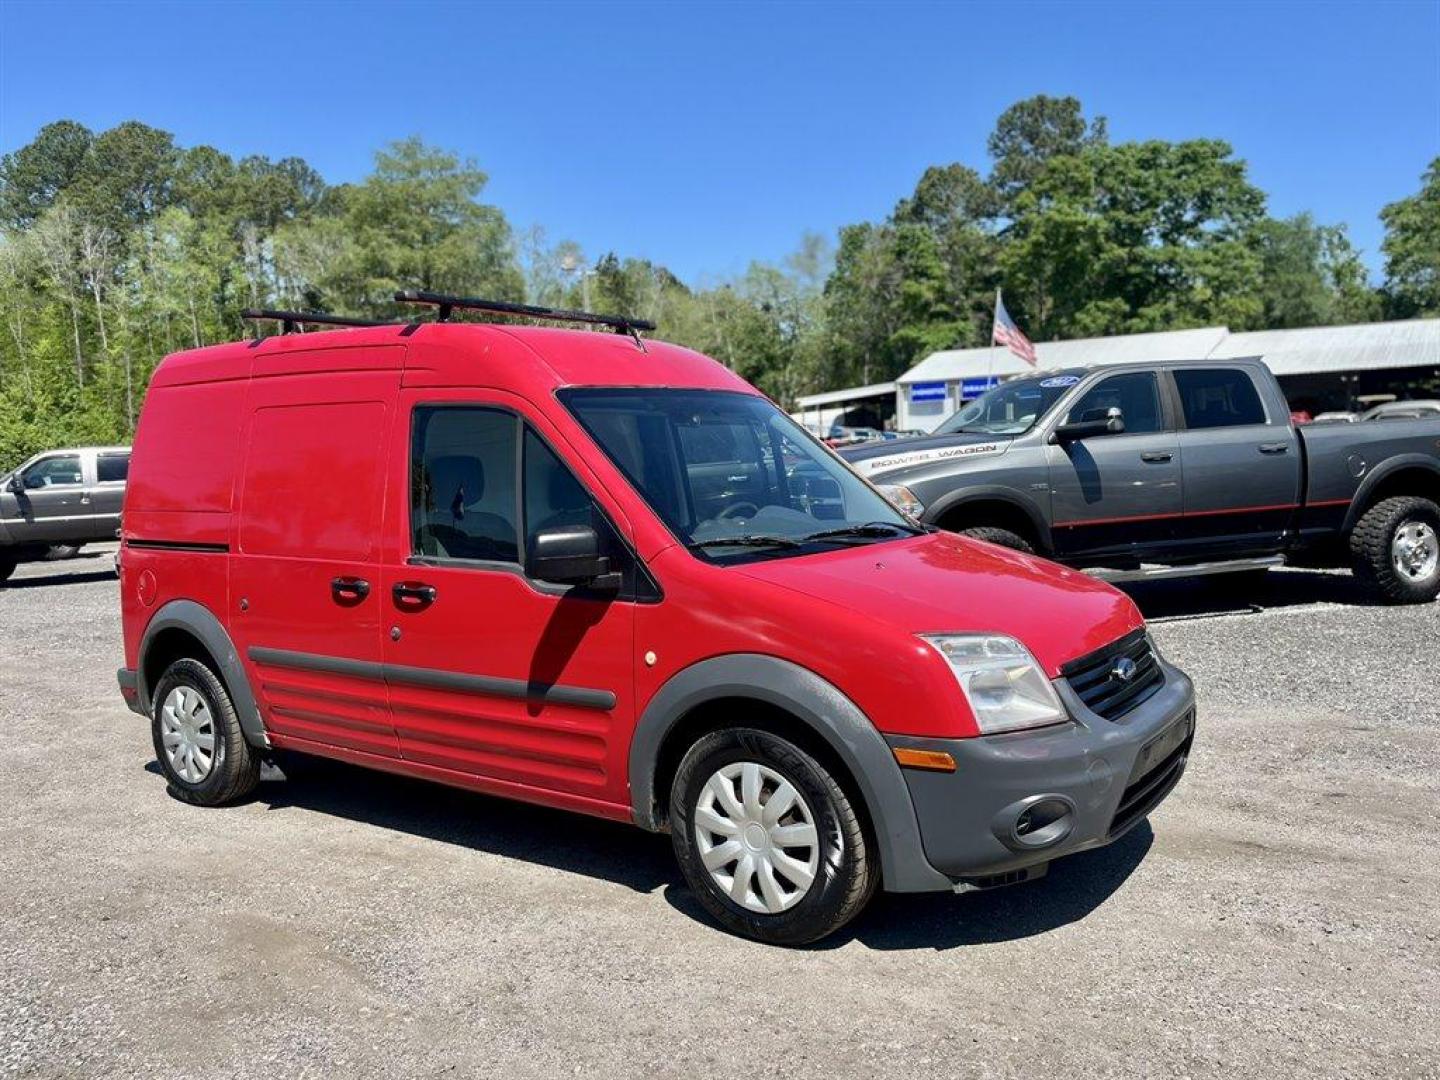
point(1123, 669)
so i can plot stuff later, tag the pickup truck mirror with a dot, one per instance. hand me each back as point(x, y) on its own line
point(571, 556)
point(15, 484)
point(1109, 421)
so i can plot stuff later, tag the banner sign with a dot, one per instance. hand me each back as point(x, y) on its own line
point(973, 388)
point(926, 391)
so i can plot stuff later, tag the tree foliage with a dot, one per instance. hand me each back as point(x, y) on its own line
point(119, 247)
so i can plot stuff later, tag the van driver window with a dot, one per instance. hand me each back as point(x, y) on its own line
point(462, 484)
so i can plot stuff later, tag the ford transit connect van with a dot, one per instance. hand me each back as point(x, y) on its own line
point(605, 574)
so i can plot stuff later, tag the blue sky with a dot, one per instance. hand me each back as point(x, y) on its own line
point(704, 136)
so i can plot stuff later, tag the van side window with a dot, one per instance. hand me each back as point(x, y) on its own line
point(1134, 393)
point(462, 484)
point(1218, 397)
point(112, 468)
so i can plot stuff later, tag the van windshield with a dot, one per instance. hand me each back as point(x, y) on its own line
point(1012, 408)
point(732, 476)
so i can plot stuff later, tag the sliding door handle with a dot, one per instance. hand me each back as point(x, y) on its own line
point(349, 590)
point(413, 593)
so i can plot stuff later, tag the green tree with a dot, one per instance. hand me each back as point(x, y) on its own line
point(1412, 249)
point(32, 178)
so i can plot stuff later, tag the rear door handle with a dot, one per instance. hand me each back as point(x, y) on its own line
point(1274, 448)
point(1156, 455)
point(350, 589)
point(413, 593)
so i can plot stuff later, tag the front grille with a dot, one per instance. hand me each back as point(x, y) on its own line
point(1094, 678)
point(1145, 794)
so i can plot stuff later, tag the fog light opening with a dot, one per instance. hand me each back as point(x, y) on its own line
point(1044, 822)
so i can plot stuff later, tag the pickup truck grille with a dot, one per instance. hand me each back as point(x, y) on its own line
point(1097, 678)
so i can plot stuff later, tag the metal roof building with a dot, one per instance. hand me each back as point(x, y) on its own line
point(1319, 367)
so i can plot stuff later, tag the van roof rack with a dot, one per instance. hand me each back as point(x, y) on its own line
point(621, 324)
point(290, 321)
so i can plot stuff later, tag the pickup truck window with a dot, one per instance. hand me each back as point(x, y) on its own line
point(1134, 393)
point(1012, 408)
point(53, 472)
point(112, 468)
point(1218, 397)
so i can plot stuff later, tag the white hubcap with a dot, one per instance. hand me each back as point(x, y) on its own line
point(187, 732)
point(1415, 550)
point(757, 837)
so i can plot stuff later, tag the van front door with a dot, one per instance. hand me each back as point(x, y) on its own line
point(305, 604)
point(525, 688)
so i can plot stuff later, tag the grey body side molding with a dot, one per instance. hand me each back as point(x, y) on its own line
point(822, 708)
point(198, 621)
point(1382, 471)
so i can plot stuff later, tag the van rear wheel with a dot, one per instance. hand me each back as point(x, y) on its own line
point(197, 737)
point(767, 840)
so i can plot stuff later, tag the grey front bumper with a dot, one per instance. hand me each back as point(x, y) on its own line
point(1094, 766)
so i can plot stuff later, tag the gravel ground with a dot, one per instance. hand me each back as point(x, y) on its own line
point(1277, 917)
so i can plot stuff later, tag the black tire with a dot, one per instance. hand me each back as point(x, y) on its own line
point(63, 551)
point(1004, 537)
point(7, 565)
point(1371, 556)
point(847, 873)
point(235, 770)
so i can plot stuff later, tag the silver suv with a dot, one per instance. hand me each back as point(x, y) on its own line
point(61, 498)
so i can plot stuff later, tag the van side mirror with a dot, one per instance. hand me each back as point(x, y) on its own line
point(1109, 421)
point(571, 556)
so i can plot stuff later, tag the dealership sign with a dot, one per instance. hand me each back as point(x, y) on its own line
point(921, 392)
point(972, 388)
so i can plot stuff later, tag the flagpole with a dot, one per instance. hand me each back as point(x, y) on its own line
point(990, 360)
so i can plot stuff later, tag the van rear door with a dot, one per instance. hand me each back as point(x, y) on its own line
point(305, 608)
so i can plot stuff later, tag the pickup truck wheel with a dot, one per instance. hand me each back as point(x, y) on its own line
point(1395, 547)
point(7, 565)
point(768, 841)
point(197, 737)
point(1003, 537)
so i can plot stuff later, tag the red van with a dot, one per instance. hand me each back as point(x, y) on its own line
point(605, 574)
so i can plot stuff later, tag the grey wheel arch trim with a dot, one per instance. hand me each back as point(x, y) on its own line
point(1387, 468)
point(991, 493)
point(198, 621)
point(824, 709)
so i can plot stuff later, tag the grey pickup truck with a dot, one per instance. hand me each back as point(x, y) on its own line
point(61, 498)
point(1143, 470)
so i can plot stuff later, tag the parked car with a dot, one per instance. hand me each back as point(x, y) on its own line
point(61, 499)
point(573, 570)
point(1403, 410)
point(1187, 467)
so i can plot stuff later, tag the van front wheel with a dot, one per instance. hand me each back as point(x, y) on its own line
point(197, 737)
point(768, 841)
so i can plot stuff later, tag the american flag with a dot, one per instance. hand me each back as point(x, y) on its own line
point(1008, 334)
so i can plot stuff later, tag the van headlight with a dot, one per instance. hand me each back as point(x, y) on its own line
point(902, 498)
point(1005, 687)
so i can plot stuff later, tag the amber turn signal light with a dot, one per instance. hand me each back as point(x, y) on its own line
point(934, 760)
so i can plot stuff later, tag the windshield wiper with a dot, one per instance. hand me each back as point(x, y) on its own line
point(877, 529)
point(745, 541)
